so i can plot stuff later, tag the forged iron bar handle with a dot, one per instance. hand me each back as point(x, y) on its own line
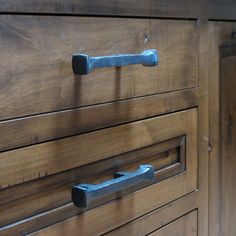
point(83, 64)
point(85, 194)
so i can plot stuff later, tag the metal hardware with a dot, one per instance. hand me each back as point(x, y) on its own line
point(83, 64)
point(83, 195)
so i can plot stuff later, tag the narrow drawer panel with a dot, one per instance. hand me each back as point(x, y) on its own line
point(186, 225)
point(36, 69)
point(158, 218)
point(168, 143)
point(46, 127)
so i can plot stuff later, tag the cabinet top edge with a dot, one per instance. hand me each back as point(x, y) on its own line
point(191, 9)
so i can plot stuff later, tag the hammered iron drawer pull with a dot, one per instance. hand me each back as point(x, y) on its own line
point(85, 194)
point(83, 64)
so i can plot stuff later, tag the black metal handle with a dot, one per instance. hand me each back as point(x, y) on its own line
point(85, 194)
point(82, 64)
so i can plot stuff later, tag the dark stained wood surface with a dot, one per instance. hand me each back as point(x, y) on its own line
point(36, 75)
point(13, 193)
point(220, 33)
point(203, 134)
point(130, 208)
point(36, 132)
point(221, 9)
point(211, 9)
point(37, 161)
point(54, 191)
point(168, 159)
point(166, 8)
point(35, 129)
point(159, 217)
point(207, 9)
point(228, 140)
point(186, 225)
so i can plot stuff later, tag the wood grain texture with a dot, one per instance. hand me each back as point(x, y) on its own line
point(203, 132)
point(35, 129)
point(36, 74)
point(74, 175)
point(25, 164)
point(166, 8)
point(167, 158)
point(222, 9)
point(186, 225)
point(107, 217)
point(158, 218)
point(220, 34)
point(183, 123)
point(207, 9)
point(133, 206)
point(171, 211)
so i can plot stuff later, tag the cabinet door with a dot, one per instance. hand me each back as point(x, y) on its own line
point(228, 139)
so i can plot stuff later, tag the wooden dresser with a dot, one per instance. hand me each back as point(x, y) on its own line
point(155, 124)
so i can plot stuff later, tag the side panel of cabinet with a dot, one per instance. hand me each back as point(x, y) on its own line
point(228, 140)
point(220, 34)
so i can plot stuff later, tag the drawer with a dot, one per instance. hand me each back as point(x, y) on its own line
point(186, 225)
point(183, 226)
point(41, 176)
point(36, 63)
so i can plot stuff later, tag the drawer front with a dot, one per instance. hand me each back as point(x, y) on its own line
point(36, 69)
point(168, 143)
point(185, 226)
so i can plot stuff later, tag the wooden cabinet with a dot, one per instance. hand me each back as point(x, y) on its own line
point(59, 129)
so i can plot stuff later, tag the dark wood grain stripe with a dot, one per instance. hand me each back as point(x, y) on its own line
point(37, 161)
point(147, 8)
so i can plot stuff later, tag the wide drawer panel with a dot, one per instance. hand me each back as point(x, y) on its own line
point(37, 161)
point(36, 71)
point(46, 127)
point(167, 142)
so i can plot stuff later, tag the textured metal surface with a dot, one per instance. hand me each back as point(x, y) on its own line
point(84, 194)
point(83, 64)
